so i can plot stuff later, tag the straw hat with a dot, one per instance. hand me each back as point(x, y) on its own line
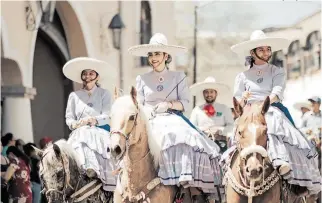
point(158, 43)
point(258, 39)
point(210, 83)
point(299, 105)
point(73, 68)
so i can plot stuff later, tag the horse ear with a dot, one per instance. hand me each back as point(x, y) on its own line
point(116, 93)
point(56, 150)
point(266, 105)
point(134, 95)
point(39, 152)
point(237, 107)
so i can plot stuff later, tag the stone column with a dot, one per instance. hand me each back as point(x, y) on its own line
point(17, 117)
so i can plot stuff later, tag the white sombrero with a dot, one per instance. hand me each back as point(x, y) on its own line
point(299, 105)
point(210, 83)
point(259, 39)
point(158, 43)
point(73, 68)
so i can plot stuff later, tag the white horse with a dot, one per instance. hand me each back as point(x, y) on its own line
point(63, 180)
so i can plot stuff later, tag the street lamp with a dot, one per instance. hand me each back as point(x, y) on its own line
point(195, 35)
point(116, 26)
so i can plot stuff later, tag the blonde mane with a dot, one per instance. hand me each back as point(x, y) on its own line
point(125, 104)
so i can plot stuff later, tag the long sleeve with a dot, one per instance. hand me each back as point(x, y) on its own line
point(183, 91)
point(104, 117)
point(239, 86)
point(193, 117)
point(278, 82)
point(140, 90)
point(70, 115)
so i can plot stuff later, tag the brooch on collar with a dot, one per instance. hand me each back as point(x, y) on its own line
point(209, 110)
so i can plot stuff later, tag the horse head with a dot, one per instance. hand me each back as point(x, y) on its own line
point(58, 171)
point(130, 130)
point(251, 138)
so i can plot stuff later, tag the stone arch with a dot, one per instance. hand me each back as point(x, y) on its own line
point(10, 69)
point(75, 27)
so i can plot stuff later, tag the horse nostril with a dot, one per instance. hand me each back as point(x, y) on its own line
point(260, 170)
point(247, 169)
point(118, 150)
point(108, 150)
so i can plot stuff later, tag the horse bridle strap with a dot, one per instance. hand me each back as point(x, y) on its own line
point(126, 135)
point(86, 191)
point(267, 183)
point(146, 190)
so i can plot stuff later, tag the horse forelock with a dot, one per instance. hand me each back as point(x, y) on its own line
point(49, 157)
point(123, 106)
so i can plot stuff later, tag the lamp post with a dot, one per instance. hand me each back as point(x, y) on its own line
point(195, 52)
point(116, 26)
point(195, 40)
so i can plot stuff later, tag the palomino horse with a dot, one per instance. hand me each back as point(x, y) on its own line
point(249, 174)
point(131, 143)
point(62, 180)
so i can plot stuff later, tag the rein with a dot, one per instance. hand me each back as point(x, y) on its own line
point(244, 189)
point(78, 194)
point(143, 194)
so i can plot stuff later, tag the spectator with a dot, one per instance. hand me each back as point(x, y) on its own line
point(7, 140)
point(19, 144)
point(4, 167)
point(34, 175)
point(18, 173)
point(44, 142)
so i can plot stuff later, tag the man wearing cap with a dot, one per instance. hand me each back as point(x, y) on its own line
point(213, 118)
point(312, 120)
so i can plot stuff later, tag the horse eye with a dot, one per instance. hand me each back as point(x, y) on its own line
point(132, 118)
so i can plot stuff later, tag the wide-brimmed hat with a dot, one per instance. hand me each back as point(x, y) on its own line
point(210, 83)
point(302, 104)
point(73, 68)
point(158, 43)
point(258, 39)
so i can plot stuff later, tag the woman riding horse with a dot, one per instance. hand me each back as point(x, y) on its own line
point(87, 115)
point(291, 153)
point(187, 157)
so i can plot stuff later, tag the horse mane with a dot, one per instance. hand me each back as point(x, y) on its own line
point(124, 104)
point(65, 148)
point(253, 113)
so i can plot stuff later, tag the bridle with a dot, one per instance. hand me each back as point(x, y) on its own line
point(65, 163)
point(250, 190)
point(126, 135)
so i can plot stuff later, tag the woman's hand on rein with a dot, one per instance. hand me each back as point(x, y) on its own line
point(162, 107)
point(92, 122)
point(246, 95)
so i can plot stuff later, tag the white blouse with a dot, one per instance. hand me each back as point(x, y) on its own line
point(83, 104)
point(155, 87)
point(261, 81)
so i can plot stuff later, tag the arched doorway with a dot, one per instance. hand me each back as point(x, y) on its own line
point(53, 88)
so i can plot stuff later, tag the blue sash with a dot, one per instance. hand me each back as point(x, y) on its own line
point(281, 107)
point(179, 113)
point(105, 127)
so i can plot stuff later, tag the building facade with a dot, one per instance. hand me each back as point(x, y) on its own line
point(38, 37)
